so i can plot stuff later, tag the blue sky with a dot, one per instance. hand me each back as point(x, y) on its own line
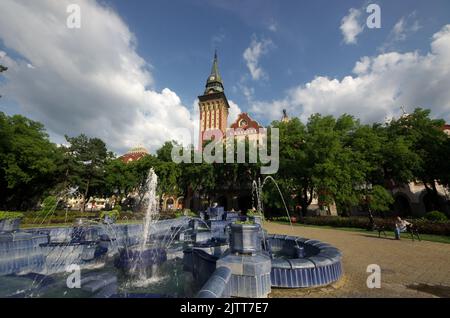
point(132, 73)
point(178, 38)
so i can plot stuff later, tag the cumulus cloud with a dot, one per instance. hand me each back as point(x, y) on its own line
point(252, 55)
point(378, 88)
point(233, 112)
point(351, 26)
point(88, 80)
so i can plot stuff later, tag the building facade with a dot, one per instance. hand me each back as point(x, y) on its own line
point(213, 104)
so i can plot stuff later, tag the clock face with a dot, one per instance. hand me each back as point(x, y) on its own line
point(243, 123)
point(212, 78)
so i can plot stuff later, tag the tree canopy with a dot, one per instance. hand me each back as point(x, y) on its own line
point(329, 159)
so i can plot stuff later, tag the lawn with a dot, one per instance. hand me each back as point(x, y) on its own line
point(424, 237)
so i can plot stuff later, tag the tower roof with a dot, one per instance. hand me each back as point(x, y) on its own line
point(214, 82)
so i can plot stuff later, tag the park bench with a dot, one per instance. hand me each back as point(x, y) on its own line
point(411, 229)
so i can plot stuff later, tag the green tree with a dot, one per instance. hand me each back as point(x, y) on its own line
point(87, 158)
point(295, 170)
point(379, 199)
point(29, 162)
point(196, 178)
point(119, 178)
point(431, 148)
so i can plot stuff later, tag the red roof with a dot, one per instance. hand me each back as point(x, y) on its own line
point(134, 154)
point(245, 122)
point(128, 157)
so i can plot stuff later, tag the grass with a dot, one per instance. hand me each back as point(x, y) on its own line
point(390, 234)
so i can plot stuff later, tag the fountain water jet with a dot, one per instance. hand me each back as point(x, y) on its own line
point(144, 255)
point(258, 187)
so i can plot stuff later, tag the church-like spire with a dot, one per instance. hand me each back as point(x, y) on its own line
point(214, 83)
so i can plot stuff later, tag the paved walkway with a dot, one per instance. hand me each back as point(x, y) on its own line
point(408, 269)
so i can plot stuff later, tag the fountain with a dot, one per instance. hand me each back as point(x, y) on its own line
point(299, 262)
point(220, 254)
point(142, 263)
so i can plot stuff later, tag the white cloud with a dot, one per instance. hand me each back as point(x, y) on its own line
point(404, 27)
point(252, 55)
point(87, 80)
point(362, 66)
point(351, 27)
point(233, 112)
point(379, 87)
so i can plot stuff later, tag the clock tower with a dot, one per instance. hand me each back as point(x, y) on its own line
point(213, 104)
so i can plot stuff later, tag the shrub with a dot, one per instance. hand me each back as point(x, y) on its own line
point(118, 208)
point(180, 213)
point(252, 212)
point(4, 215)
point(248, 222)
point(131, 215)
point(57, 217)
point(113, 214)
point(49, 205)
point(188, 212)
point(435, 216)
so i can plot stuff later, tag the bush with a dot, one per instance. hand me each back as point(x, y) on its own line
point(113, 214)
point(118, 208)
point(181, 213)
point(131, 215)
point(49, 205)
point(4, 215)
point(435, 216)
point(252, 212)
point(57, 217)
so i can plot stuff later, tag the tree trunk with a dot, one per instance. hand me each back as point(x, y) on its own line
point(85, 195)
point(304, 209)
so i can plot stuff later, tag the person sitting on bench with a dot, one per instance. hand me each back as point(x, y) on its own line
point(400, 226)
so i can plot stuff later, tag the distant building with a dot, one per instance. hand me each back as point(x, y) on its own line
point(134, 154)
point(245, 127)
point(213, 104)
point(446, 129)
point(214, 111)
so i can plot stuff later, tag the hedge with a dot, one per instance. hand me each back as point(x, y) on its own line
point(4, 215)
point(424, 226)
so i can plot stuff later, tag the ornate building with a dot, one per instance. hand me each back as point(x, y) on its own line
point(244, 126)
point(213, 104)
point(134, 154)
point(214, 111)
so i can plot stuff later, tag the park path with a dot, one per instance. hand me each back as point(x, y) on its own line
point(408, 269)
